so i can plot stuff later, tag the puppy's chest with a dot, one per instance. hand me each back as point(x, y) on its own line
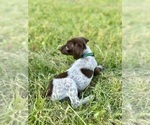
point(82, 72)
point(81, 80)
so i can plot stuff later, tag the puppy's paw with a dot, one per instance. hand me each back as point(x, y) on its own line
point(88, 99)
point(91, 97)
point(98, 69)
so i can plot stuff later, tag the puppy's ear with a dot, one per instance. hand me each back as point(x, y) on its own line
point(77, 51)
point(86, 40)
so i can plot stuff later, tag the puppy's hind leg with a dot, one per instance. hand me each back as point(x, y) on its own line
point(75, 101)
point(87, 99)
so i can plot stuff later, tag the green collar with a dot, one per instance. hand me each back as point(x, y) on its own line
point(87, 54)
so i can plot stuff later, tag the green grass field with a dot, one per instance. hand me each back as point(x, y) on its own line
point(136, 62)
point(13, 62)
point(51, 24)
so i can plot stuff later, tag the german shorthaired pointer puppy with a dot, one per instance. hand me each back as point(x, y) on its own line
point(78, 76)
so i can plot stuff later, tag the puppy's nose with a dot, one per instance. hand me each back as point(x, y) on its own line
point(59, 47)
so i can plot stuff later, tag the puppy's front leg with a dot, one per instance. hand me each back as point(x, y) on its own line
point(98, 69)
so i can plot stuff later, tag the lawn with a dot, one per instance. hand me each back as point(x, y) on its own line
point(51, 24)
point(136, 62)
point(13, 62)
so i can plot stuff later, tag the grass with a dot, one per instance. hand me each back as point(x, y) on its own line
point(13, 63)
point(136, 66)
point(51, 24)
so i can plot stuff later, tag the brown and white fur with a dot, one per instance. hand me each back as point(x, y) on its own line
point(78, 76)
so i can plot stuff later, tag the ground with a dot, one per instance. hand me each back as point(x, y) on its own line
point(51, 24)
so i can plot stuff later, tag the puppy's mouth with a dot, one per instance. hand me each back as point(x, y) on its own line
point(65, 50)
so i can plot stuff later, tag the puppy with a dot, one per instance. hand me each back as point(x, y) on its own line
point(78, 76)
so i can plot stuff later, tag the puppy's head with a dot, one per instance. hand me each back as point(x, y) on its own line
point(74, 47)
